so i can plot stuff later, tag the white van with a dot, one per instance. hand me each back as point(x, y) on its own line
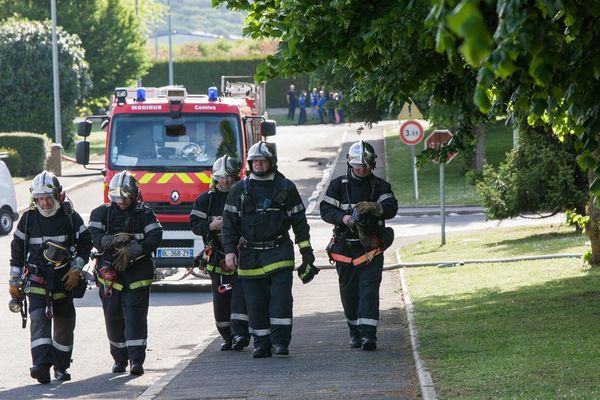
point(8, 200)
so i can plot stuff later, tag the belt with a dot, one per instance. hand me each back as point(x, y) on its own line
point(263, 245)
point(358, 261)
point(38, 279)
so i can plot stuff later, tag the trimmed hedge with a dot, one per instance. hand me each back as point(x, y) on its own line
point(32, 147)
point(13, 162)
point(198, 75)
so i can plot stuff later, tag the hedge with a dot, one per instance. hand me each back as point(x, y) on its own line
point(32, 148)
point(198, 75)
point(13, 160)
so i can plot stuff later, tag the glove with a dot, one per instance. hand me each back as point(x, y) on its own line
point(106, 242)
point(306, 272)
point(14, 292)
point(308, 257)
point(351, 224)
point(372, 207)
point(71, 279)
point(121, 239)
point(120, 259)
point(134, 250)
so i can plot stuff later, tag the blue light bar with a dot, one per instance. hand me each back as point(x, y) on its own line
point(213, 94)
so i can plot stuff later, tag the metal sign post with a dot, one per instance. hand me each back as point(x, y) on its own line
point(437, 138)
point(411, 133)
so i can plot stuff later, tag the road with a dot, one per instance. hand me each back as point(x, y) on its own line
point(180, 321)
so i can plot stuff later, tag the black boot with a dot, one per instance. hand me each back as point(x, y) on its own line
point(136, 368)
point(226, 345)
point(119, 367)
point(62, 374)
point(355, 342)
point(369, 344)
point(262, 352)
point(240, 342)
point(41, 373)
point(280, 350)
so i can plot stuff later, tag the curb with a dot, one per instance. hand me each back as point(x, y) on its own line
point(425, 381)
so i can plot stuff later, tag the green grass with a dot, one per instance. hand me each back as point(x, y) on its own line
point(457, 190)
point(523, 330)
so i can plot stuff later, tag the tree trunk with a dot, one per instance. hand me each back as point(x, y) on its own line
point(593, 227)
point(479, 155)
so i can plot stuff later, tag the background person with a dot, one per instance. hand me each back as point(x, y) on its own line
point(53, 244)
point(126, 233)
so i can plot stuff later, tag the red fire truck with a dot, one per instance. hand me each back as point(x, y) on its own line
point(169, 139)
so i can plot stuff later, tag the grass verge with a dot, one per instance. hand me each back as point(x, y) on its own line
point(523, 330)
point(97, 141)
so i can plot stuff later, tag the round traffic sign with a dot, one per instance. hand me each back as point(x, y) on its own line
point(411, 132)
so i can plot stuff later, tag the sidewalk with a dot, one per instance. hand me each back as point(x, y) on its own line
point(321, 365)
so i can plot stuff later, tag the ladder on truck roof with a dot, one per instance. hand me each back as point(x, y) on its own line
point(243, 86)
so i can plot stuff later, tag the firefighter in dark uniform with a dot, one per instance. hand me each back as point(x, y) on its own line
point(125, 233)
point(358, 205)
point(257, 217)
point(51, 245)
point(206, 220)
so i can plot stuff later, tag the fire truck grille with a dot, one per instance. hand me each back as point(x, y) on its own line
point(177, 243)
point(175, 226)
point(170, 209)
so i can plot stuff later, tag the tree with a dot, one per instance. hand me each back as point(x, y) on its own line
point(540, 61)
point(26, 77)
point(112, 36)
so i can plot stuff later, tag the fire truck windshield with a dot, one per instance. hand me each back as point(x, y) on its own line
point(139, 141)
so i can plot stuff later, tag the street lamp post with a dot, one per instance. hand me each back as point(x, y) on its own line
point(170, 47)
point(56, 150)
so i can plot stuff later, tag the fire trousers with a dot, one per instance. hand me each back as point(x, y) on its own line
point(269, 300)
point(229, 307)
point(126, 319)
point(359, 291)
point(48, 347)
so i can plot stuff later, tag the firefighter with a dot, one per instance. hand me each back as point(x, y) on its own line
point(50, 247)
point(125, 233)
point(206, 220)
point(257, 217)
point(358, 204)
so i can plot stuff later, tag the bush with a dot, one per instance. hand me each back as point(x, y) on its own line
point(26, 87)
point(13, 162)
point(198, 75)
point(32, 147)
point(541, 175)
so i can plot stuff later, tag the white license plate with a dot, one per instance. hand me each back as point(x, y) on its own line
point(171, 253)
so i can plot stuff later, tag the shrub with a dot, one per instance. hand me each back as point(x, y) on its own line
point(13, 162)
point(26, 87)
point(32, 147)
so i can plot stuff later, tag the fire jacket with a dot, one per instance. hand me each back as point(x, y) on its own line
point(207, 208)
point(38, 229)
point(258, 215)
point(342, 195)
point(138, 220)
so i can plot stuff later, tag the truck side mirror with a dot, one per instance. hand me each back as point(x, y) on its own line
point(268, 128)
point(175, 127)
point(84, 128)
point(82, 152)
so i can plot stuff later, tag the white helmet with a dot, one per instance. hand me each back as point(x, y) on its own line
point(361, 153)
point(46, 184)
point(262, 151)
point(226, 167)
point(123, 185)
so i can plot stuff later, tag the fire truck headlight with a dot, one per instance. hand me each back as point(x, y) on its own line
point(121, 95)
point(213, 94)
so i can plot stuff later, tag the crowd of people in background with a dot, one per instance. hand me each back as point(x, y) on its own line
point(324, 107)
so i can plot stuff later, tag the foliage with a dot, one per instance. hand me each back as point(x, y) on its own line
point(187, 73)
point(34, 145)
point(541, 175)
point(13, 161)
point(110, 33)
point(27, 93)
